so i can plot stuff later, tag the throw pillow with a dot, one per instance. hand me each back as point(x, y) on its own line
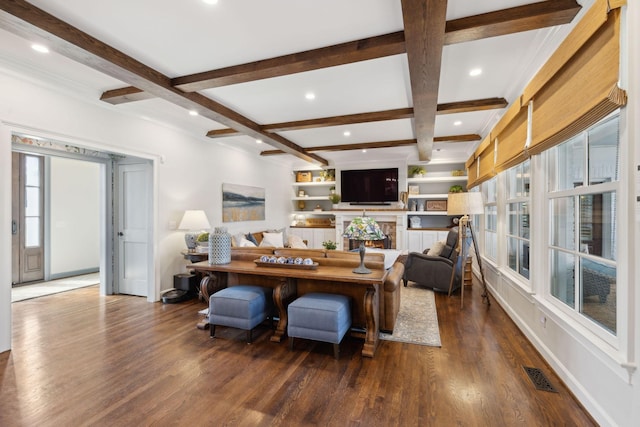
point(272, 240)
point(437, 248)
point(244, 243)
point(237, 239)
point(252, 239)
point(285, 236)
point(296, 242)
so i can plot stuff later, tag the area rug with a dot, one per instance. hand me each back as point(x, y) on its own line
point(21, 293)
point(417, 321)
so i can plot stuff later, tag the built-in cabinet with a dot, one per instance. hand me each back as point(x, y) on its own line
point(419, 240)
point(312, 196)
point(312, 218)
point(423, 221)
point(428, 194)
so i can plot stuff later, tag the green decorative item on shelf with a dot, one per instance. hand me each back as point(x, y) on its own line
point(335, 198)
point(328, 174)
point(417, 171)
point(329, 245)
point(456, 189)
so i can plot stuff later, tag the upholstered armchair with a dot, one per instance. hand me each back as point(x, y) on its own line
point(435, 270)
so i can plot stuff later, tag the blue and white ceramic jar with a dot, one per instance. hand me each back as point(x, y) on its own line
point(220, 246)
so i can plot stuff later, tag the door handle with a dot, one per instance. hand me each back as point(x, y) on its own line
point(120, 233)
point(14, 227)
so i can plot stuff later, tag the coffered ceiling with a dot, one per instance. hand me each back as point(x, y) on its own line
point(391, 77)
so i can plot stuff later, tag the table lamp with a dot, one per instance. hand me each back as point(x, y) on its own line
point(196, 222)
point(465, 204)
point(363, 228)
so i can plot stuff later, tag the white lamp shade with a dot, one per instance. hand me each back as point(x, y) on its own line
point(465, 204)
point(194, 220)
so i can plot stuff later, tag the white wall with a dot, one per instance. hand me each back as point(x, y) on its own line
point(74, 216)
point(190, 177)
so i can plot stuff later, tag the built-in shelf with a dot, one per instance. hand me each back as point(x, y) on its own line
point(429, 196)
point(315, 184)
point(311, 198)
point(428, 179)
point(312, 212)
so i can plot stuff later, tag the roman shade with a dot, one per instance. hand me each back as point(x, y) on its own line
point(511, 136)
point(481, 167)
point(576, 88)
point(584, 87)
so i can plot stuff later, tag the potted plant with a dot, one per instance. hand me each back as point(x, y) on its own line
point(335, 199)
point(203, 242)
point(329, 245)
point(456, 189)
point(417, 171)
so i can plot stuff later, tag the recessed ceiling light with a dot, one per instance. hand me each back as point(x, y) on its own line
point(193, 113)
point(364, 150)
point(457, 123)
point(258, 141)
point(475, 72)
point(310, 96)
point(39, 48)
point(210, 1)
point(347, 133)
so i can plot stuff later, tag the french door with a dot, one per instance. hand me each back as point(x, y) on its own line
point(27, 218)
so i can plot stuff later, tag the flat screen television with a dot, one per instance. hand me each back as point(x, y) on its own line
point(369, 186)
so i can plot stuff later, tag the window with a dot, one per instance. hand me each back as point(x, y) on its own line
point(32, 197)
point(582, 191)
point(491, 220)
point(517, 188)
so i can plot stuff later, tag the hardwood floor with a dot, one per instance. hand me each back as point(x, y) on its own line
point(81, 359)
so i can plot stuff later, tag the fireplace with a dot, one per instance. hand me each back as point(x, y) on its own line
point(389, 230)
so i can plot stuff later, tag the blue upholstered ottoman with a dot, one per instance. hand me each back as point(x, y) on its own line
point(319, 317)
point(242, 306)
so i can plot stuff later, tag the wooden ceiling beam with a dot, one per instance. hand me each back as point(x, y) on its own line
point(349, 119)
point(424, 25)
point(380, 144)
point(501, 22)
point(470, 106)
point(513, 20)
point(26, 20)
point(315, 59)
point(376, 116)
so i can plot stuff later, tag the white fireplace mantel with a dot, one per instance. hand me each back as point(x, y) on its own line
point(399, 217)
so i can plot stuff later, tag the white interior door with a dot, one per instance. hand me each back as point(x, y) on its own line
point(134, 225)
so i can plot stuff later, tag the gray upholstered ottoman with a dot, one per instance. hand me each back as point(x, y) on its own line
point(242, 306)
point(319, 317)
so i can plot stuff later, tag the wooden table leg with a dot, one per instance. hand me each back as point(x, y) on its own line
point(283, 294)
point(210, 284)
point(371, 314)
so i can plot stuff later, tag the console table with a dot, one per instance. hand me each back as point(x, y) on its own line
point(289, 282)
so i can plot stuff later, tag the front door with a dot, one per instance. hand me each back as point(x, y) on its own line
point(28, 218)
point(134, 225)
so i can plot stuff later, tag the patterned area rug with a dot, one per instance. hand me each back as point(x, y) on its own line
point(417, 321)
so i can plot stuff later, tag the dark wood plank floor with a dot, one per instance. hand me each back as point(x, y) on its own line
point(81, 359)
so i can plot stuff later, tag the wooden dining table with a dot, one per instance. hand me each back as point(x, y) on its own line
point(290, 281)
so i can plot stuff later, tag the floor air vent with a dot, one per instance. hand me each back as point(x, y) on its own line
point(539, 380)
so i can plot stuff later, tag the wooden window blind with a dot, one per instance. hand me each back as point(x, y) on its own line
point(582, 92)
point(577, 87)
point(511, 132)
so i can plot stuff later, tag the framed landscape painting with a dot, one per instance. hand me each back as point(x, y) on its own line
point(242, 203)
